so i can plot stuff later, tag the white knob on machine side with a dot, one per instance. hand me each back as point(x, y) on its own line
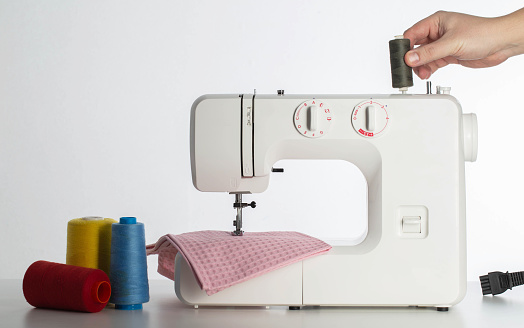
point(313, 118)
point(470, 127)
point(370, 118)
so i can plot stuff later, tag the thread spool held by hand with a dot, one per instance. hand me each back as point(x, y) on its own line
point(66, 287)
point(89, 242)
point(128, 272)
point(401, 73)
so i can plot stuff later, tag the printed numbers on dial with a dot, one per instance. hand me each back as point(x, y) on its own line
point(313, 118)
point(370, 118)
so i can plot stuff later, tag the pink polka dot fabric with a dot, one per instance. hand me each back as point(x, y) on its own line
point(220, 260)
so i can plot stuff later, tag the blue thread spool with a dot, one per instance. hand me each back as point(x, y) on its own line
point(128, 274)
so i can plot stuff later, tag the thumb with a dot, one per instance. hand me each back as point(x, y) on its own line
point(429, 53)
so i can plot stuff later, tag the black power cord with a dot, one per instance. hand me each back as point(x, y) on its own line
point(498, 282)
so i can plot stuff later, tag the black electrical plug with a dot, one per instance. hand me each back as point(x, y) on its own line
point(498, 282)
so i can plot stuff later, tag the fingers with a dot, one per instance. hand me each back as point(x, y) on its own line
point(430, 52)
point(425, 71)
point(434, 45)
point(428, 28)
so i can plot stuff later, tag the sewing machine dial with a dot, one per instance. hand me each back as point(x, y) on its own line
point(370, 118)
point(313, 118)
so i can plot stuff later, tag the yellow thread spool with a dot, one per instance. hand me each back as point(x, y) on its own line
point(89, 242)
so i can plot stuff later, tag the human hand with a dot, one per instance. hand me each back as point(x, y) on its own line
point(471, 41)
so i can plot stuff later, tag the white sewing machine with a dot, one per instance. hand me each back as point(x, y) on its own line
point(411, 150)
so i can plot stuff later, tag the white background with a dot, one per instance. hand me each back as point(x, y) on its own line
point(95, 99)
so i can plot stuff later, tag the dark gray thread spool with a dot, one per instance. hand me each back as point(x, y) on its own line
point(401, 74)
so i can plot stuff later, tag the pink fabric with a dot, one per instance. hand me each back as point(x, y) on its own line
point(220, 260)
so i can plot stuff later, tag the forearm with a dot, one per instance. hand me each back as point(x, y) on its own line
point(512, 31)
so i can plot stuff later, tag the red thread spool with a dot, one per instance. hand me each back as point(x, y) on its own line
point(66, 287)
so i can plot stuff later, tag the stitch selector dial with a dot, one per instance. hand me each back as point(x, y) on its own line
point(370, 118)
point(313, 118)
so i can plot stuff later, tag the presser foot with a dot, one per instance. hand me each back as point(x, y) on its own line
point(237, 232)
point(238, 205)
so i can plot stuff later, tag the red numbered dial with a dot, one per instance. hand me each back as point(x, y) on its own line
point(370, 118)
point(313, 118)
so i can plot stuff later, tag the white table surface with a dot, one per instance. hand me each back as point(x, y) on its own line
point(165, 310)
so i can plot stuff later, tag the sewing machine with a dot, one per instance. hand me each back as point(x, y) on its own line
point(411, 150)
